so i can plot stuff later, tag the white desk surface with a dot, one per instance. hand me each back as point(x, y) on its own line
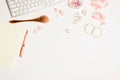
point(52, 54)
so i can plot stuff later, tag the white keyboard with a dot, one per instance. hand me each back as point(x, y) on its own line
point(21, 7)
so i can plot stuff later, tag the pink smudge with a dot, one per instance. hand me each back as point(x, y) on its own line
point(98, 5)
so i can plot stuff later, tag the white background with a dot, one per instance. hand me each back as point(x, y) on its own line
point(52, 54)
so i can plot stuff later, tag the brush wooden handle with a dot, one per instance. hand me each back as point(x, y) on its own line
point(16, 21)
point(42, 19)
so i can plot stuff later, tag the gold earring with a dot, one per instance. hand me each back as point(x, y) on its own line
point(97, 32)
point(88, 28)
